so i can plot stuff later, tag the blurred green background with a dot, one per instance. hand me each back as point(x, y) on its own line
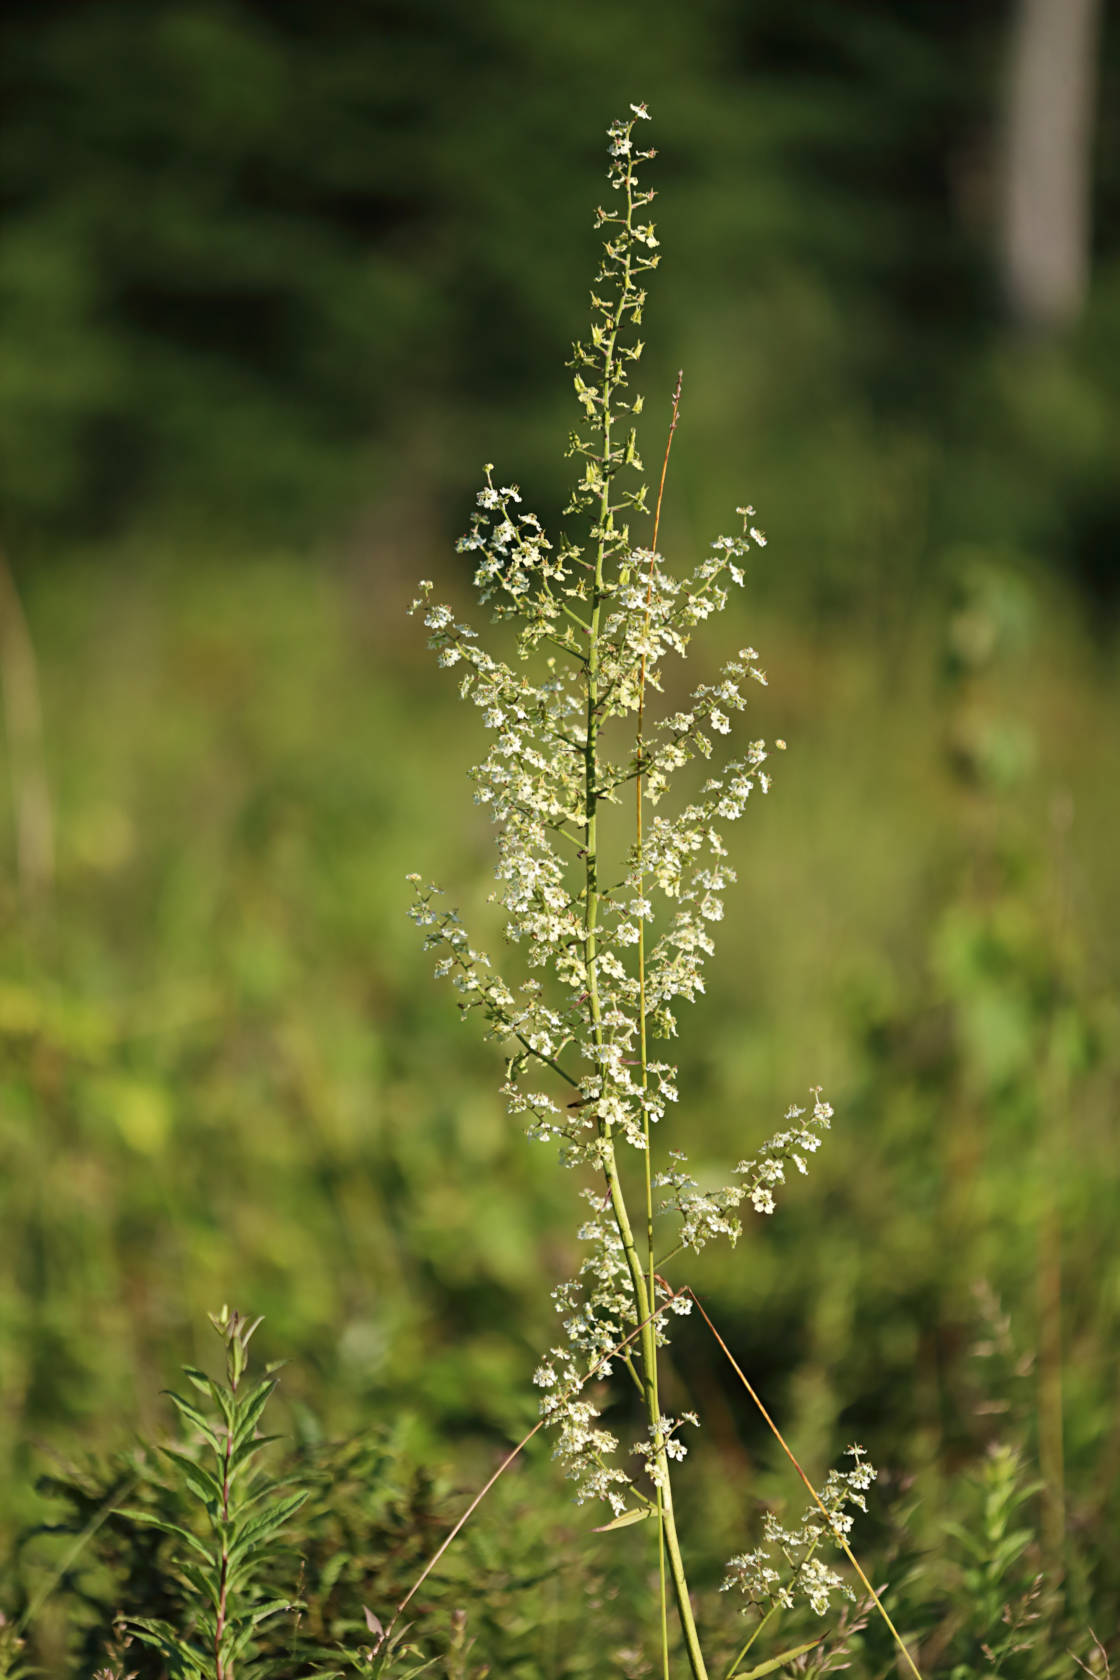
point(275, 280)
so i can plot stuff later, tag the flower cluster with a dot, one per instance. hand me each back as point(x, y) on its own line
point(759, 1575)
point(597, 1308)
point(705, 1214)
point(800, 1139)
point(597, 617)
point(664, 1442)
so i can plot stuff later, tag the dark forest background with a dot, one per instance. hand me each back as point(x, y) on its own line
point(265, 264)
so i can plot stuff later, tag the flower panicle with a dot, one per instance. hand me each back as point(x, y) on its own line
point(570, 729)
point(786, 1566)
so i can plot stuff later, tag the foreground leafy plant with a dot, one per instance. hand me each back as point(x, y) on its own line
point(614, 948)
point(361, 1542)
point(244, 1508)
point(12, 1663)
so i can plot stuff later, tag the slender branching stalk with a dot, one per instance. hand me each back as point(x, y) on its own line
point(597, 616)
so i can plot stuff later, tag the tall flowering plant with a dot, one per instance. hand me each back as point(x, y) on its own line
point(607, 956)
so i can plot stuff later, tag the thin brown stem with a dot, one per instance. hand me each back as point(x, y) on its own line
point(778, 1436)
point(604, 1359)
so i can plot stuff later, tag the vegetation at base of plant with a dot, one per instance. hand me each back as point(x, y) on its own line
point(109, 1562)
point(196, 1556)
point(12, 1663)
point(244, 1511)
point(519, 1593)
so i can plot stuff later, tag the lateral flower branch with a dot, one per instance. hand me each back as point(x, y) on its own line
point(606, 963)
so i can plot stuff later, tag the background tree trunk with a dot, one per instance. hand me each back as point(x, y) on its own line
point(1047, 177)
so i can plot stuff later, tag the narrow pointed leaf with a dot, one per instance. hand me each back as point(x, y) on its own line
point(256, 1488)
point(626, 1520)
point(239, 1642)
point(190, 1411)
point(196, 1475)
point(774, 1662)
point(267, 1523)
point(161, 1636)
point(226, 1403)
point(152, 1521)
point(273, 1608)
point(248, 1415)
point(246, 1449)
point(206, 1586)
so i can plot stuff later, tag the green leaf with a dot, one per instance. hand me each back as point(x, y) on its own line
point(199, 1480)
point(775, 1662)
point(626, 1520)
point(1008, 1550)
point(161, 1636)
point(237, 1642)
point(227, 1403)
point(273, 1608)
point(246, 1418)
point(331, 1571)
point(246, 1449)
point(965, 1538)
point(266, 1524)
point(190, 1411)
point(165, 1527)
point(205, 1584)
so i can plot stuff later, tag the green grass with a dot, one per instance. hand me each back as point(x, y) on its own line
point(226, 1074)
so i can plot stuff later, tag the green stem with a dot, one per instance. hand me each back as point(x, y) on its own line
point(644, 1299)
point(222, 1669)
point(734, 1665)
point(648, 1347)
point(639, 760)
